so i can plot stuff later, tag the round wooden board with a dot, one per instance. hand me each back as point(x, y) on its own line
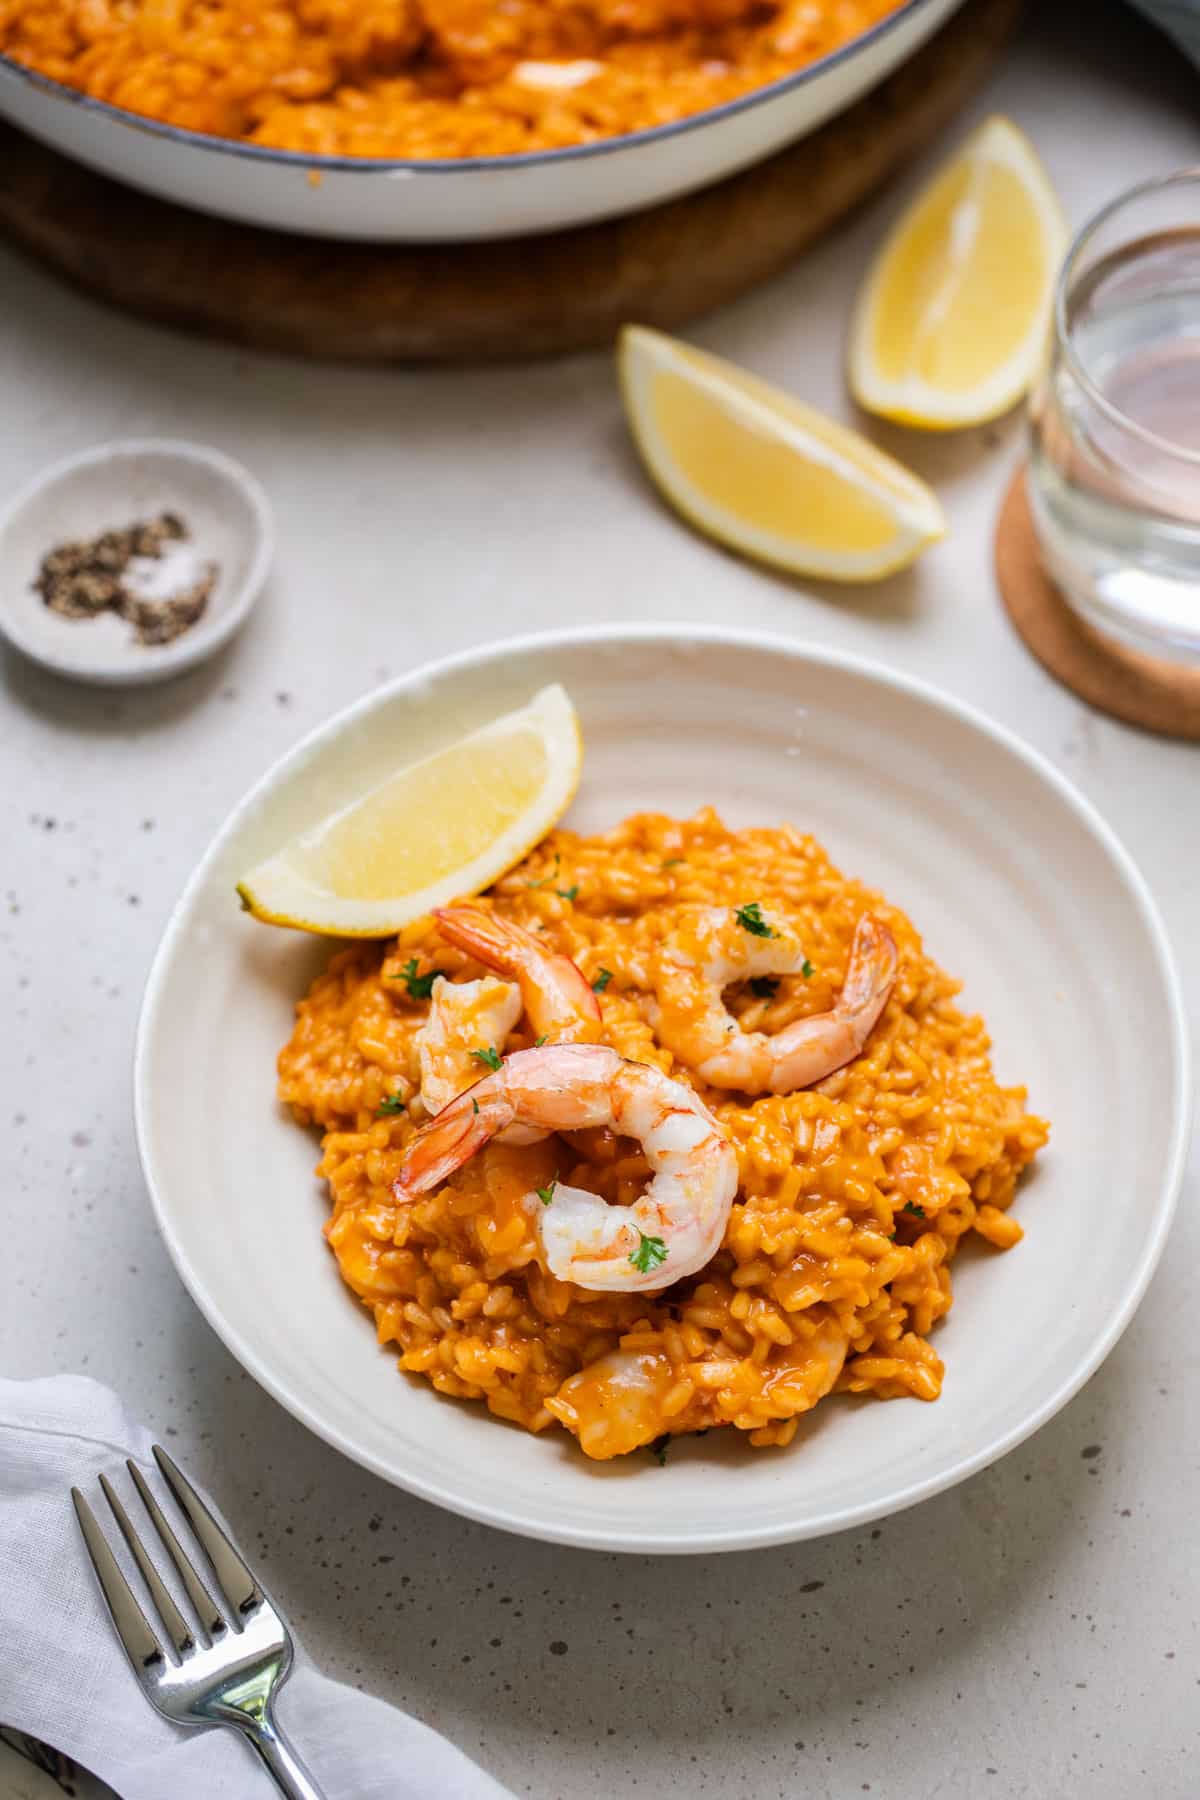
point(571, 290)
point(1142, 690)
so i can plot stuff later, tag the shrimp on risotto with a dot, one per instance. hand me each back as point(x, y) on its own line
point(674, 1228)
point(719, 947)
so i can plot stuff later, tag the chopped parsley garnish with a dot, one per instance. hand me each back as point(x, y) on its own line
point(806, 969)
point(602, 980)
point(659, 1448)
point(475, 1106)
point(389, 1105)
point(910, 1206)
point(420, 987)
point(673, 862)
point(538, 1042)
point(568, 893)
point(750, 918)
point(650, 1254)
point(490, 1058)
point(547, 879)
point(546, 1194)
point(764, 987)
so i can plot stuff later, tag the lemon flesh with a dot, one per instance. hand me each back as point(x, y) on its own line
point(756, 469)
point(951, 323)
point(436, 830)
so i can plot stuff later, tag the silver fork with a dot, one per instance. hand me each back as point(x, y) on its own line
point(227, 1673)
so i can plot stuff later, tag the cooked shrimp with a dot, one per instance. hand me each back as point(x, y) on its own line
point(713, 952)
point(672, 1230)
point(807, 1370)
point(616, 1403)
point(555, 992)
point(466, 1020)
point(469, 1019)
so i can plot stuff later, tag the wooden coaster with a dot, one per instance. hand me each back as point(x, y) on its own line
point(1142, 690)
point(570, 290)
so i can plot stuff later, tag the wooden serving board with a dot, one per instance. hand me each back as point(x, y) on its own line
point(570, 290)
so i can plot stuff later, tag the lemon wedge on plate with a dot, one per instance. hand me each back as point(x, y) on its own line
point(764, 474)
point(433, 831)
point(952, 318)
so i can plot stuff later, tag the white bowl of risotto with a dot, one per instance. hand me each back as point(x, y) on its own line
point(422, 122)
point(811, 1377)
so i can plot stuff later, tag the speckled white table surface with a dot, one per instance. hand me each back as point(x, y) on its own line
point(1032, 1633)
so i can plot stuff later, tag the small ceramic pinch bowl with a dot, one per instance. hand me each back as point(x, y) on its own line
point(228, 519)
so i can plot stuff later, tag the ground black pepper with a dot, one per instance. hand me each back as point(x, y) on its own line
point(83, 579)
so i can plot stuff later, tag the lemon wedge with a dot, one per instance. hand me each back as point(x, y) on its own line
point(951, 321)
point(755, 469)
point(441, 828)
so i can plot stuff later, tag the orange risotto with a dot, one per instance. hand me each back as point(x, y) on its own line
point(424, 78)
point(853, 1195)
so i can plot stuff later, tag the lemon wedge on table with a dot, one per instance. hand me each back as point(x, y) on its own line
point(951, 322)
point(759, 471)
point(433, 831)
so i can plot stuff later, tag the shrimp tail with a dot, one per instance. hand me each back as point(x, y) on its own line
point(493, 940)
point(452, 1137)
point(813, 1048)
point(556, 993)
point(871, 972)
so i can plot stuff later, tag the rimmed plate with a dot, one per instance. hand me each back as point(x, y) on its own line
point(1017, 885)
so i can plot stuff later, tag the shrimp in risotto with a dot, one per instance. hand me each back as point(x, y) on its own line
point(798, 1241)
point(470, 1021)
point(671, 1230)
point(717, 948)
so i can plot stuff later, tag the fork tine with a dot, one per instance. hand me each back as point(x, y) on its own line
point(178, 1629)
point(133, 1628)
point(207, 1610)
point(236, 1582)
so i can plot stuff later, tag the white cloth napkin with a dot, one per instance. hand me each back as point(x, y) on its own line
point(63, 1674)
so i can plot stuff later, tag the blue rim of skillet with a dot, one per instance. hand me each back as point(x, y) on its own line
point(379, 165)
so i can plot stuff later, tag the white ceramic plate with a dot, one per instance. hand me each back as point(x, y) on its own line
point(473, 197)
point(1016, 884)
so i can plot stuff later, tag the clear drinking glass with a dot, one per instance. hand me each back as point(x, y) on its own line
point(1115, 421)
